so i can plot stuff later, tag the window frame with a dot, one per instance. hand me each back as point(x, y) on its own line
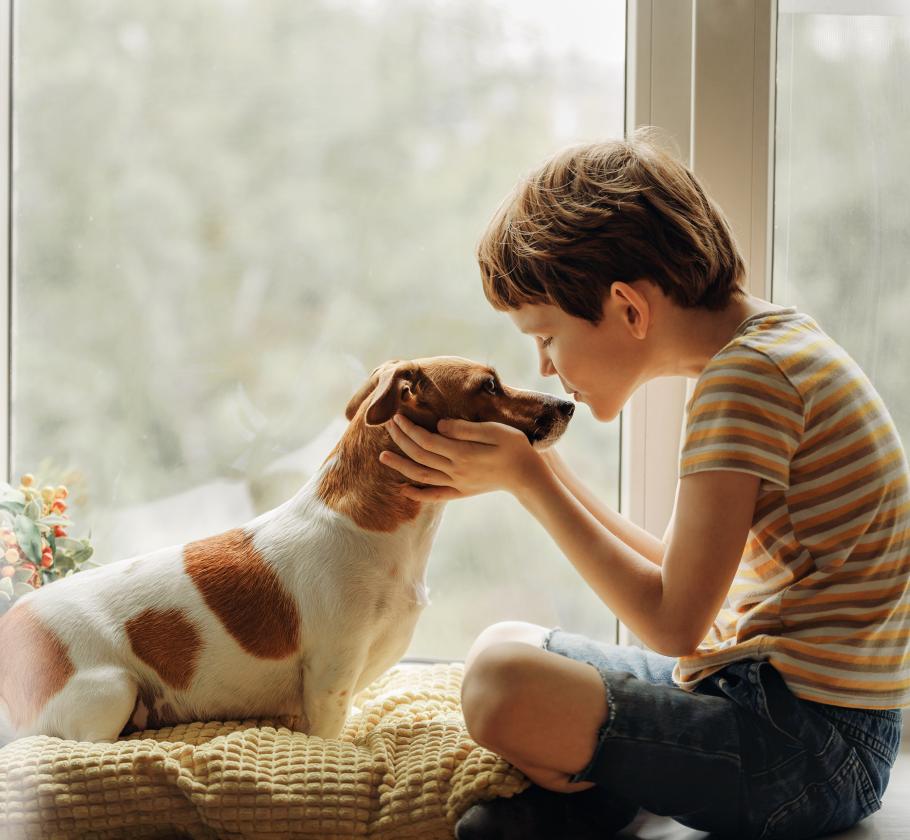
point(704, 72)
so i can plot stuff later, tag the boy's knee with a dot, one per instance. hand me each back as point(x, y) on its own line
point(505, 631)
point(492, 686)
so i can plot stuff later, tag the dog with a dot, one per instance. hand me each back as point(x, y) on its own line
point(288, 616)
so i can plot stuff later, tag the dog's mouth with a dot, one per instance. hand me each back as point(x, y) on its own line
point(546, 431)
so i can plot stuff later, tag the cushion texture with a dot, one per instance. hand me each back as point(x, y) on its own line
point(404, 767)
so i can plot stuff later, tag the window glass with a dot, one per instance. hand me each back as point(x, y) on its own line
point(841, 214)
point(227, 213)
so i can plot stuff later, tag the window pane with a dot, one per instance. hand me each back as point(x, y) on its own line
point(841, 214)
point(227, 213)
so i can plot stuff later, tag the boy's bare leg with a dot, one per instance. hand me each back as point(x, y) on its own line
point(538, 710)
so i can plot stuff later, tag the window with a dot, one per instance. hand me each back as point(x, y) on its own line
point(227, 213)
point(841, 215)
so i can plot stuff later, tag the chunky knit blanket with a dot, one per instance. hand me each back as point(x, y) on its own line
point(404, 767)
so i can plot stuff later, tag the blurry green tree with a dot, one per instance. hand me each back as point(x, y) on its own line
point(228, 212)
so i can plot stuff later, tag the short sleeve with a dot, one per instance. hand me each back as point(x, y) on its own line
point(745, 416)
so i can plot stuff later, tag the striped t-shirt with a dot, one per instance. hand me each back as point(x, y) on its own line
point(822, 589)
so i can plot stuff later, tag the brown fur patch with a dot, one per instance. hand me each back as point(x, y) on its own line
point(168, 642)
point(245, 593)
point(360, 487)
point(36, 664)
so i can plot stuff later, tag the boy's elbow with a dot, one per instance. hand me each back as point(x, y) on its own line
point(676, 649)
point(677, 642)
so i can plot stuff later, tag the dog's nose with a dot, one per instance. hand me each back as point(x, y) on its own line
point(566, 408)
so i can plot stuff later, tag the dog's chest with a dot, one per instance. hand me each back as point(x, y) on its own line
point(379, 587)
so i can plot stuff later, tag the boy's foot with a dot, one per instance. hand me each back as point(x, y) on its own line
point(540, 814)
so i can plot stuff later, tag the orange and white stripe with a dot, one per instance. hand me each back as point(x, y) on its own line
point(822, 589)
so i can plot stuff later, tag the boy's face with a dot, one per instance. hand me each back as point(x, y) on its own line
point(600, 365)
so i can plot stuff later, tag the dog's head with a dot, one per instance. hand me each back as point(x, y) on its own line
point(428, 390)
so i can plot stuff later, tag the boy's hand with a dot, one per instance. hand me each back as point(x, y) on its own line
point(467, 458)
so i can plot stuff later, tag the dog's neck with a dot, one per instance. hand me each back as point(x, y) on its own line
point(357, 485)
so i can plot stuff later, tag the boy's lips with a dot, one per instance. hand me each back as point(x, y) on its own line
point(570, 390)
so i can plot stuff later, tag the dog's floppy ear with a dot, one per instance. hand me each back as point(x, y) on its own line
point(389, 384)
point(363, 392)
point(394, 387)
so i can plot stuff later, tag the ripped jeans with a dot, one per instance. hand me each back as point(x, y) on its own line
point(741, 755)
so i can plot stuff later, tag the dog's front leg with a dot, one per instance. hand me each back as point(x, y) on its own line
point(328, 686)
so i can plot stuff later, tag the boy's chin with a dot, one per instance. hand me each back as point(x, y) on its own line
point(603, 414)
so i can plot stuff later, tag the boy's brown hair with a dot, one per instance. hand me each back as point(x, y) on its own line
point(601, 212)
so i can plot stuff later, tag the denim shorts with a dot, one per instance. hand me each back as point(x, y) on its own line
point(741, 755)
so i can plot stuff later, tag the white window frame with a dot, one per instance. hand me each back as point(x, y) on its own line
point(704, 72)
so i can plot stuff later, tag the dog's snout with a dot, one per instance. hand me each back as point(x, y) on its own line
point(566, 408)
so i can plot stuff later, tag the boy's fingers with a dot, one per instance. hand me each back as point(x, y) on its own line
point(428, 440)
point(478, 432)
point(416, 472)
point(415, 451)
point(430, 494)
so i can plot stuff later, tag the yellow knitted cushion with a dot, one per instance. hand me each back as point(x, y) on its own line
point(404, 767)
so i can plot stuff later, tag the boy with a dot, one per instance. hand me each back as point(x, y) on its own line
point(776, 715)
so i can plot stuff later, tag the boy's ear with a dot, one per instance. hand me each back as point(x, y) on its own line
point(634, 306)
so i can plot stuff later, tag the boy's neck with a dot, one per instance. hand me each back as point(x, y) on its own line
point(693, 336)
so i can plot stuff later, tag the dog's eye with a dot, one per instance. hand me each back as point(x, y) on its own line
point(491, 386)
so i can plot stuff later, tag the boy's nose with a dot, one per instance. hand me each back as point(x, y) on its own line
point(546, 367)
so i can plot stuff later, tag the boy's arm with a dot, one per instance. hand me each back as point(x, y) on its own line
point(670, 607)
point(644, 542)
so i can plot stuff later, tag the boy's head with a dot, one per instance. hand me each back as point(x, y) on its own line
point(613, 231)
point(597, 213)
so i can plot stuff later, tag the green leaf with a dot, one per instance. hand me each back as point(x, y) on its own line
point(68, 545)
point(82, 554)
point(14, 508)
point(10, 495)
point(29, 538)
point(33, 510)
point(63, 562)
point(55, 519)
